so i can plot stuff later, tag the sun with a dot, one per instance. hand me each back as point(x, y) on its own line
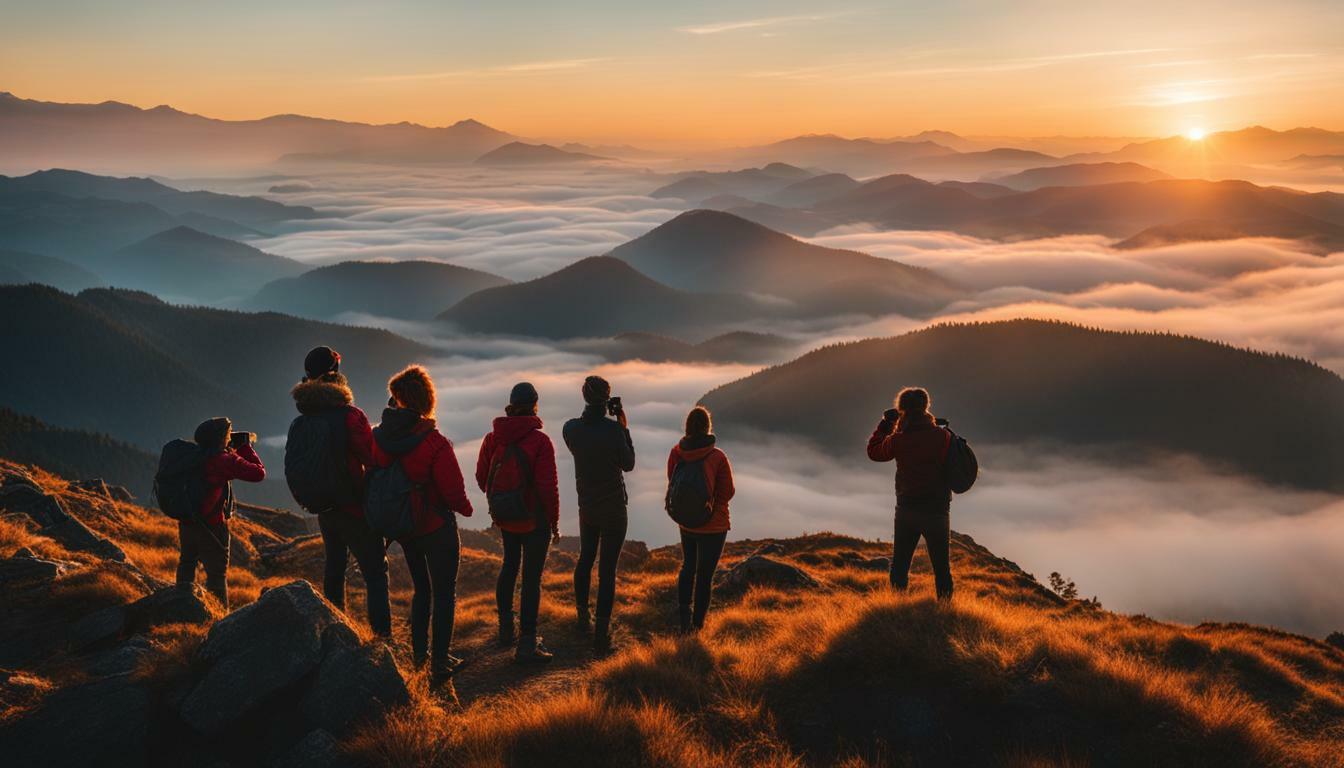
point(1194, 134)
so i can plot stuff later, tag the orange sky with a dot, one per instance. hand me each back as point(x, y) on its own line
point(701, 72)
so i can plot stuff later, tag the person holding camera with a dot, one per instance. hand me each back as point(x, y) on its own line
point(603, 452)
point(910, 435)
point(228, 456)
point(329, 447)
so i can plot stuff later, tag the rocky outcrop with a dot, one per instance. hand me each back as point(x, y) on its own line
point(101, 487)
point(286, 524)
point(759, 570)
point(290, 653)
point(23, 573)
point(167, 605)
point(19, 494)
point(105, 722)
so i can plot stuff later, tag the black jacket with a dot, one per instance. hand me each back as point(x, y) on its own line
point(602, 452)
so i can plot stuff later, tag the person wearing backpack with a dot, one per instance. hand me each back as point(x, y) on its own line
point(204, 540)
point(516, 470)
point(408, 439)
point(909, 435)
point(328, 448)
point(699, 487)
point(603, 452)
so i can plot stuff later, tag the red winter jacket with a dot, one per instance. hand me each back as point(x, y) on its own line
point(222, 468)
point(718, 478)
point(332, 391)
point(919, 448)
point(540, 453)
point(425, 454)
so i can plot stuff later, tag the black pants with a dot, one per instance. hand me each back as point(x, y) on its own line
point(527, 550)
point(600, 542)
point(344, 535)
point(933, 524)
point(700, 554)
point(209, 546)
point(432, 560)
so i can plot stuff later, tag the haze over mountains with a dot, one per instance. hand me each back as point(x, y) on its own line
point(1030, 381)
point(406, 290)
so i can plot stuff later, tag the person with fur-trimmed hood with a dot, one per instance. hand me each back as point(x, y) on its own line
point(325, 461)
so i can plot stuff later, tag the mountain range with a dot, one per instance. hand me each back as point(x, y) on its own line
point(517, 153)
point(1132, 395)
point(731, 347)
point(405, 290)
point(182, 263)
point(76, 454)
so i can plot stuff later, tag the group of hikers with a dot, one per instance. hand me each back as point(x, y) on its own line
point(400, 480)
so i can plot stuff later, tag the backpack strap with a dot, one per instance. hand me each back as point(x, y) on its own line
point(947, 446)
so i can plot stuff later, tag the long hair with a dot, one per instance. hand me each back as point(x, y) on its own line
point(913, 400)
point(414, 389)
point(699, 422)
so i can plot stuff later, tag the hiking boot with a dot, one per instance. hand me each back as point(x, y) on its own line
point(531, 651)
point(506, 633)
point(684, 618)
point(444, 668)
point(602, 637)
point(585, 620)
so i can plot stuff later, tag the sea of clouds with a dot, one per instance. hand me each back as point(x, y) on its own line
point(1172, 539)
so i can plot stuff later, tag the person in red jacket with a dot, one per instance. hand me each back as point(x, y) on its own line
point(206, 539)
point(324, 390)
point(526, 543)
point(408, 435)
point(701, 547)
point(909, 435)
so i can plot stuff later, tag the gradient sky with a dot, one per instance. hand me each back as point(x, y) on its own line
point(716, 72)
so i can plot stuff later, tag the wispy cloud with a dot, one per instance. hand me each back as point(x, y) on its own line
point(523, 67)
point(1016, 64)
point(719, 27)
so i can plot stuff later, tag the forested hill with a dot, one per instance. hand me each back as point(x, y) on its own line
point(76, 454)
point(1276, 417)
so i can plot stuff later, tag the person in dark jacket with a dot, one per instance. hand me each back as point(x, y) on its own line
point(603, 452)
point(909, 435)
point(526, 543)
point(408, 435)
point(701, 547)
point(324, 389)
point(206, 539)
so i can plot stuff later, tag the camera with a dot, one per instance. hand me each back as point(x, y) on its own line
point(614, 406)
point(240, 439)
point(941, 422)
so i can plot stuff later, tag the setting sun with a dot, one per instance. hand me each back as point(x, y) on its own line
point(1194, 134)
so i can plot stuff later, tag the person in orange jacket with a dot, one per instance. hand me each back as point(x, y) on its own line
point(701, 547)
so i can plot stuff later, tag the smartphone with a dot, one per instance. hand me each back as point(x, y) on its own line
point(614, 406)
point(239, 439)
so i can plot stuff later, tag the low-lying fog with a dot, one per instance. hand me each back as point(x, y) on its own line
point(1173, 540)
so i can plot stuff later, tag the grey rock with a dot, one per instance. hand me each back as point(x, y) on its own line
point(355, 682)
point(105, 722)
point(874, 564)
point(257, 651)
point(24, 573)
point(318, 749)
point(759, 570)
point(123, 659)
point(176, 604)
point(100, 627)
point(286, 524)
point(55, 522)
point(769, 548)
point(101, 487)
point(16, 477)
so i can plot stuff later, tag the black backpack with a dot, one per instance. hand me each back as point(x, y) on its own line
point(960, 467)
point(389, 501)
point(688, 502)
point(509, 505)
point(179, 484)
point(315, 461)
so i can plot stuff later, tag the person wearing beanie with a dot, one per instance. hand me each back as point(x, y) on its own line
point(205, 540)
point(517, 457)
point(328, 448)
point(603, 452)
point(408, 436)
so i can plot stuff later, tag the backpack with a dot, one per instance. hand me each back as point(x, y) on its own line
point(315, 461)
point(507, 485)
point(960, 467)
point(688, 502)
point(389, 501)
point(179, 483)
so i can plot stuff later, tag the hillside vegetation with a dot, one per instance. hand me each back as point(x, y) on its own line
point(840, 673)
point(76, 454)
point(1275, 417)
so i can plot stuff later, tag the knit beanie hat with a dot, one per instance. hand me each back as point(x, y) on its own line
point(320, 361)
point(596, 390)
point(523, 394)
point(213, 433)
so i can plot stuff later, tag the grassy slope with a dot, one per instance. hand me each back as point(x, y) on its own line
point(851, 674)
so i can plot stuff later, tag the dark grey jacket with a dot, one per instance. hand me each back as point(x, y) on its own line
point(603, 452)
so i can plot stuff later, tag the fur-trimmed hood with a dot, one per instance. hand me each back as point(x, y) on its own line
point(317, 395)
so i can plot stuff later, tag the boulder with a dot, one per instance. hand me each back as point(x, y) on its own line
point(20, 574)
point(318, 749)
point(882, 564)
point(175, 604)
point(105, 722)
point(257, 651)
point(101, 627)
point(54, 521)
point(285, 523)
point(768, 548)
point(123, 659)
point(354, 682)
point(759, 570)
point(16, 476)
